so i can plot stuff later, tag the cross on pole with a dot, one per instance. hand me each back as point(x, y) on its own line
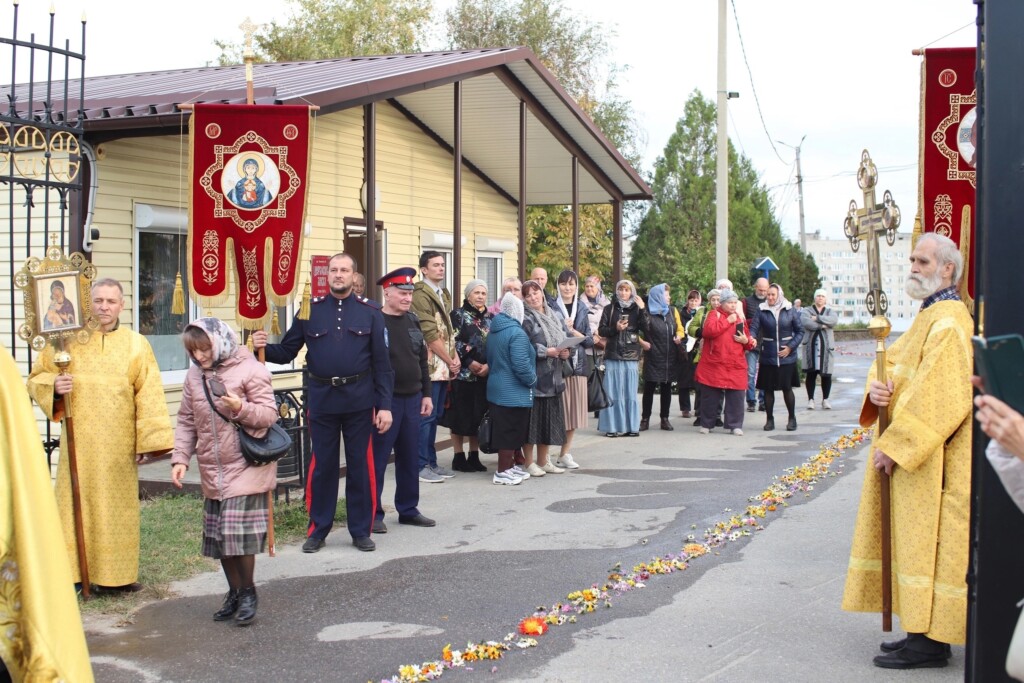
point(248, 29)
point(867, 224)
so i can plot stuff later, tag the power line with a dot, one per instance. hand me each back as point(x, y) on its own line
point(750, 75)
point(945, 36)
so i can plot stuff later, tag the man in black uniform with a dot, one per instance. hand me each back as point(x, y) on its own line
point(410, 402)
point(350, 386)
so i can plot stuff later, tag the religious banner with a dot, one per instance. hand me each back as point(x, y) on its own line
point(949, 135)
point(249, 167)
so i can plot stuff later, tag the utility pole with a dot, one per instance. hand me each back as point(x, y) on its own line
point(722, 177)
point(799, 192)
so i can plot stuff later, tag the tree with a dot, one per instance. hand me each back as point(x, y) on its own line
point(676, 239)
point(328, 29)
point(576, 51)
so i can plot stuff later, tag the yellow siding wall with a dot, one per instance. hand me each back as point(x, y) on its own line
point(414, 176)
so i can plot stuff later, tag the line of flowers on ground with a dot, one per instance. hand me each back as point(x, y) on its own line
point(795, 480)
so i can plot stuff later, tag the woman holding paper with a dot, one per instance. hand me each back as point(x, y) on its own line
point(546, 329)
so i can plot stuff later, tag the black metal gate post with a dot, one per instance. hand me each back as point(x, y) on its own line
point(997, 534)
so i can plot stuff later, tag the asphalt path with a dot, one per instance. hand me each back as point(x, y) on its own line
point(764, 606)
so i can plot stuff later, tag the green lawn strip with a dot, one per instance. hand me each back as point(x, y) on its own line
point(171, 540)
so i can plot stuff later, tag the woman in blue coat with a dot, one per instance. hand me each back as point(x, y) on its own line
point(512, 374)
point(777, 324)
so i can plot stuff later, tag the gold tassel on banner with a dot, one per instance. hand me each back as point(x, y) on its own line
point(304, 306)
point(178, 304)
point(248, 343)
point(275, 327)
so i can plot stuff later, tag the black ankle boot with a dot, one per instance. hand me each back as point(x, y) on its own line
point(645, 424)
point(247, 602)
point(473, 463)
point(459, 463)
point(228, 609)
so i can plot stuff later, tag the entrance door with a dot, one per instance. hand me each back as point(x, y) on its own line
point(355, 244)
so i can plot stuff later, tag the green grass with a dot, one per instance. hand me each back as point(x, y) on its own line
point(172, 535)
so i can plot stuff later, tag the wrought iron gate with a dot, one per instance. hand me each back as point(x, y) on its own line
point(41, 164)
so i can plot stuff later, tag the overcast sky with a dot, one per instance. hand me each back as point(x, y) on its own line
point(840, 73)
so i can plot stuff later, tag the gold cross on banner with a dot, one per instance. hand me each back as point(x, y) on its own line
point(867, 224)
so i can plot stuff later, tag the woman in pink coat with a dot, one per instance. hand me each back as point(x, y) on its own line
point(235, 510)
point(722, 369)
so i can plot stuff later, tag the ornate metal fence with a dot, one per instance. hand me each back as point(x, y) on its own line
point(41, 163)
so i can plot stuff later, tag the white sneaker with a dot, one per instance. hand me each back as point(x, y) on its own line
point(518, 471)
point(738, 432)
point(507, 478)
point(810, 404)
point(705, 430)
point(550, 468)
point(567, 462)
point(825, 405)
point(535, 471)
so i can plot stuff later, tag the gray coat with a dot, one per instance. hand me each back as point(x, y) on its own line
point(819, 342)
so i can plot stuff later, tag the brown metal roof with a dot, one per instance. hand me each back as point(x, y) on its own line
point(142, 103)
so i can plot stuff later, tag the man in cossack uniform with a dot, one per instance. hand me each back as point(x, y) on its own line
point(411, 401)
point(349, 393)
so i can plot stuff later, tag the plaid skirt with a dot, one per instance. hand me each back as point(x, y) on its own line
point(235, 526)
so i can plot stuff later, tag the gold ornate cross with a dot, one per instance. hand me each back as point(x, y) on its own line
point(867, 224)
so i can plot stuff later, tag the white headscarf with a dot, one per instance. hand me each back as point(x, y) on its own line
point(512, 307)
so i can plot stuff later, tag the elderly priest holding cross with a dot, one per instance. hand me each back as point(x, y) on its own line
point(921, 455)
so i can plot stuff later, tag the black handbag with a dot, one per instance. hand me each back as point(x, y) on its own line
point(258, 452)
point(485, 433)
point(597, 394)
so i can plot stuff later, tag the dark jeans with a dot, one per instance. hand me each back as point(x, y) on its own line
point(826, 384)
point(648, 400)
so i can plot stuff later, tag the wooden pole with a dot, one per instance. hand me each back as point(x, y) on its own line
point(879, 328)
point(62, 359)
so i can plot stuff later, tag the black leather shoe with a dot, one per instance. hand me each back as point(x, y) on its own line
point(769, 425)
point(459, 463)
point(751, 407)
point(760, 407)
point(666, 425)
point(379, 527)
point(791, 425)
point(228, 609)
point(905, 658)
point(894, 645)
point(632, 433)
point(313, 545)
point(364, 543)
point(417, 520)
point(645, 424)
point(247, 602)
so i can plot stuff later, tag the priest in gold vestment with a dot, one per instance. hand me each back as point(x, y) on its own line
point(41, 636)
point(120, 417)
point(927, 449)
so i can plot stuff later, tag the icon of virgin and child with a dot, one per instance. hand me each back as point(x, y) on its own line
point(60, 312)
point(254, 182)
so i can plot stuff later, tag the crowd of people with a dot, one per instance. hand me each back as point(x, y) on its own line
point(381, 381)
point(383, 377)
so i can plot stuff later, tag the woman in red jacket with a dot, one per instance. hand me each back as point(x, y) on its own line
point(722, 369)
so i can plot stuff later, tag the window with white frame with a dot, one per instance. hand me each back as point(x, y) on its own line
point(161, 253)
point(489, 269)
